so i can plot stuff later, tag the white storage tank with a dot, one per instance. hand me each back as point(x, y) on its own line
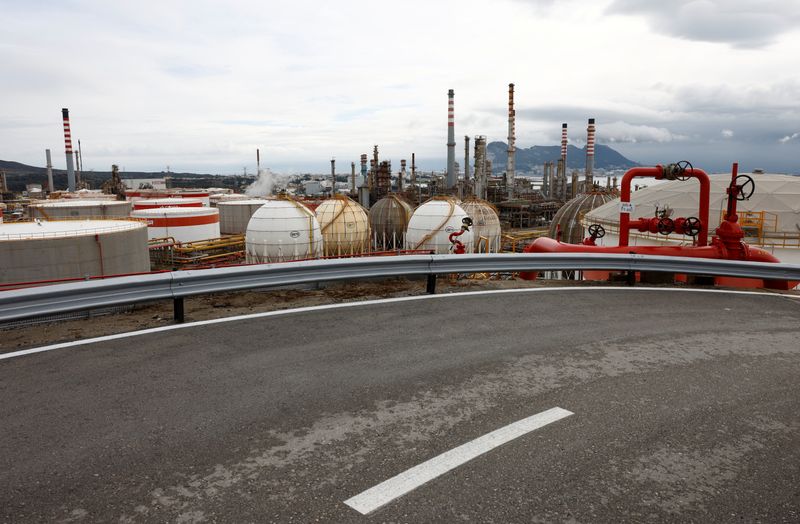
point(74, 208)
point(50, 250)
point(433, 222)
point(216, 198)
point(184, 224)
point(486, 230)
point(152, 203)
point(345, 226)
point(234, 215)
point(281, 230)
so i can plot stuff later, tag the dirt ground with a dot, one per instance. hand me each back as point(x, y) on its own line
point(244, 302)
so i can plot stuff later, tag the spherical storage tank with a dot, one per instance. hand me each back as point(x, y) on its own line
point(433, 222)
point(486, 230)
point(569, 217)
point(184, 224)
point(152, 203)
point(345, 226)
point(388, 220)
point(48, 250)
point(73, 208)
point(234, 215)
point(281, 230)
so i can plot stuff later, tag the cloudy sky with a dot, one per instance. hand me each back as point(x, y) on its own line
point(199, 85)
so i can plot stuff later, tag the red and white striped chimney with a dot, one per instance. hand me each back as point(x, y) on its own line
point(590, 154)
point(452, 177)
point(68, 150)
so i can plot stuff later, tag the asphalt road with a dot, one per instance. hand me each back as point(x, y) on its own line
point(686, 408)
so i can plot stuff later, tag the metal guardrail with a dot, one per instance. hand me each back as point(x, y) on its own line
point(77, 296)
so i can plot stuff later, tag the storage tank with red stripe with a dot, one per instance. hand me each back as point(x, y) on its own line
point(184, 224)
point(152, 203)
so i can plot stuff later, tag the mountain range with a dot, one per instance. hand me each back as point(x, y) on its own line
point(531, 158)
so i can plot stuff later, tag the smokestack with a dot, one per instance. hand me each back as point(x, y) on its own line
point(564, 144)
point(451, 142)
point(258, 161)
point(49, 171)
point(510, 166)
point(364, 169)
point(590, 155)
point(402, 175)
point(413, 170)
point(466, 158)
point(68, 150)
point(352, 177)
point(333, 176)
point(374, 176)
point(481, 165)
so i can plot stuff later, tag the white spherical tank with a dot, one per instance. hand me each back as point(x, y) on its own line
point(282, 230)
point(433, 222)
point(234, 215)
point(486, 230)
point(153, 203)
point(184, 224)
point(74, 208)
point(49, 250)
point(345, 226)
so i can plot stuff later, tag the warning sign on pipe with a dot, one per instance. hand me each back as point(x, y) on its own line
point(625, 207)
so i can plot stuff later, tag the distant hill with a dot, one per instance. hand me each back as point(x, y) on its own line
point(19, 175)
point(529, 158)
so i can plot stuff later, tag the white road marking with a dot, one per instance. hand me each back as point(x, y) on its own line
point(409, 480)
point(42, 349)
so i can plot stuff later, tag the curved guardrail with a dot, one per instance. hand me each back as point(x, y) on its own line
point(77, 296)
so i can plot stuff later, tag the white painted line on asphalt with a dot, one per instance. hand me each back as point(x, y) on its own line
point(171, 327)
point(409, 480)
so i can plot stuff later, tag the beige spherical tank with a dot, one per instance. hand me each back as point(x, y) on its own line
point(433, 222)
point(345, 226)
point(281, 230)
point(388, 220)
point(486, 230)
point(569, 217)
point(75, 208)
point(49, 250)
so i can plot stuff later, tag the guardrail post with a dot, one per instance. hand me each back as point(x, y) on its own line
point(177, 309)
point(631, 278)
point(431, 288)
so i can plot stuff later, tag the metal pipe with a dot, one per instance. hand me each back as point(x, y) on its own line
point(510, 161)
point(49, 171)
point(364, 169)
point(68, 150)
point(352, 177)
point(333, 176)
point(590, 130)
point(451, 142)
point(401, 176)
point(658, 172)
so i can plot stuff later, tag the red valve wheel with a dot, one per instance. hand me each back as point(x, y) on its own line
point(692, 226)
point(666, 226)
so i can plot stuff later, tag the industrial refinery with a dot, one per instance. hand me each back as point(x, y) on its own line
point(380, 210)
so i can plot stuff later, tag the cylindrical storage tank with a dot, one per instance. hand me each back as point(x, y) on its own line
point(50, 250)
point(388, 220)
point(433, 222)
point(78, 208)
point(486, 230)
point(345, 226)
point(153, 203)
point(282, 230)
point(216, 198)
point(184, 224)
point(568, 218)
point(234, 215)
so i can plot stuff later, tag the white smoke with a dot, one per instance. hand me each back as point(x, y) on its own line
point(789, 138)
point(265, 184)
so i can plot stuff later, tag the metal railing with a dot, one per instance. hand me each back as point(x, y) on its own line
point(175, 285)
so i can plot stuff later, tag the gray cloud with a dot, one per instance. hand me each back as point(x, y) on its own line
point(740, 23)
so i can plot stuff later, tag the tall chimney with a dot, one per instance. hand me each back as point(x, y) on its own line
point(364, 169)
point(258, 162)
point(352, 177)
point(590, 155)
point(402, 175)
point(68, 151)
point(333, 176)
point(466, 158)
point(49, 171)
point(413, 170)
point(451, 142)
point(374, 176)
point(510, 164)
point(564, 145)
